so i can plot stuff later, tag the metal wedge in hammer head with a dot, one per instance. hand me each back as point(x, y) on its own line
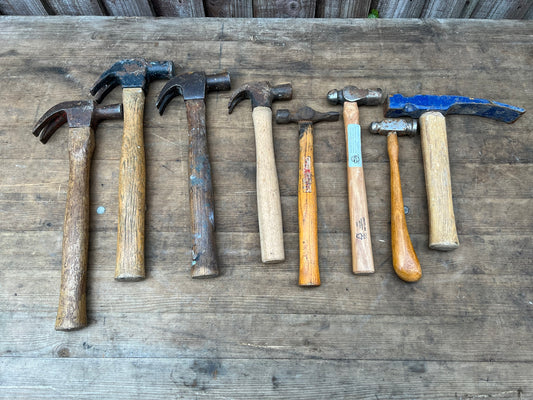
point(82, 118)
point(194, 86)
point(350, 97)
point(262, 94)
point(430, 111)
point(133, 75)
point(404, 258)
point(307, 197)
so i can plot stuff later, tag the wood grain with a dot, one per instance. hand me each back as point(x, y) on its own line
point(129, 8)
point(284, 8)
point(77, 7)
point(343, 8)
point(181, 8)
point(229, 8)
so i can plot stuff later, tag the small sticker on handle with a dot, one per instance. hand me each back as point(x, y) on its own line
point(353, 144)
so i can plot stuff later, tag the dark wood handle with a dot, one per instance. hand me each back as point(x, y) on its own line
point(307, 210)
point(71, 312)
point(204, 262)
point(404, 259)
point(131, 190)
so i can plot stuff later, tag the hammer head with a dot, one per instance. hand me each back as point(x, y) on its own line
point(261, 94)
point(401, 127)
point(192, 86)
point(77, 114)
point(132, 73)
point(400, 106)
point(305, 114)
point(367, 97)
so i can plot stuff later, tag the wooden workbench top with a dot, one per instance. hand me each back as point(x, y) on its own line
point(463, 331)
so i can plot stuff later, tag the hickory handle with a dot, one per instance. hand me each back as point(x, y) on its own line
point(307, 210)
point(201, 200)
point(362, 259)
point(442, 230)
point(131, 190)
point(404, 259)
point(268, 195)
point(72, 312)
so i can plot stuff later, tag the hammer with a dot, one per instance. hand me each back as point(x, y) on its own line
point(305, 117)
point(350, 97)
point(430, 110)
point(262, 94)
point(404, 259)
point(193, 86)
point(82, 118)
point(134, 75)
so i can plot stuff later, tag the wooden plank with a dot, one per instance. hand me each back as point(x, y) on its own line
point(129, 8)
point(183, 8)
point(502, 9)
point(343, 8)
point(229, 8)
point(444, 9)
point(284, 8)
point(77, 7)
point(26, 7)
point(398, 8)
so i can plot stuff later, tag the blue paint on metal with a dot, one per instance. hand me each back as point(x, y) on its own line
point(415, 106)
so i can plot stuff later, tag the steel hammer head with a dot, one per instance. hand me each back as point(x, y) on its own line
point(262, 94)
point(400, 106)
point(305, 114)
point(132, 73)
point(77, 114)
point(192, 86)
point(401, 127)
point(367, 97)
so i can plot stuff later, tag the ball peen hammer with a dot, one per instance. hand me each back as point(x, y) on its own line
point(404, 259)
point(82, 118)
point(305, 117)
point(262, 94)
point(133, 75)
point(430, 110)
point(193, 86)
point(351, 97)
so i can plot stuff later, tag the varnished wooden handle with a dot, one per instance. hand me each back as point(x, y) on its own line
point(268, 196)
point(131, 190)
point(307, 210)
point(204, 261)
point(404, 259)
point(72, 313)
point(362, 259)
point(442, 230)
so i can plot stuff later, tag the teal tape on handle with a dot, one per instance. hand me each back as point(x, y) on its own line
point(355, 158)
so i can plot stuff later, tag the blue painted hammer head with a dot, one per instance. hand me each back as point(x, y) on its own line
point(400, 106)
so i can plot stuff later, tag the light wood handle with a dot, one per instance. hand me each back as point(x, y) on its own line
point(72, 313)
point(404, 259)
point(307, 210)
point(202, 206)
point(131, 190)
point(268, 196)
point(442, 230)
point(362, 259)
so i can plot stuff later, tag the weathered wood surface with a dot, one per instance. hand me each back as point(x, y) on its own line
point(463, 331)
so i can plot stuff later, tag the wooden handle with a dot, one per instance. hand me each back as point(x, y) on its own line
point(204, 262)
point(307, 210)
point(442, 230)
point(404, 259)
point(131, 190)
point(268, 197)
point(72, 313)
point(362, 260)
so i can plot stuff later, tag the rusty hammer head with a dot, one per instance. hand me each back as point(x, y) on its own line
point(77, 114)
point(305, 115)
point(401, 127)
point(132, 73)
point(262, 94)
point(368, 97)
point(192, 86)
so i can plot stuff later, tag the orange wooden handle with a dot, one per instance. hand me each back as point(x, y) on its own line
point(307, 210)
point(404, 259)
point(71, 312)
point(131, 190)
point(362, 260)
